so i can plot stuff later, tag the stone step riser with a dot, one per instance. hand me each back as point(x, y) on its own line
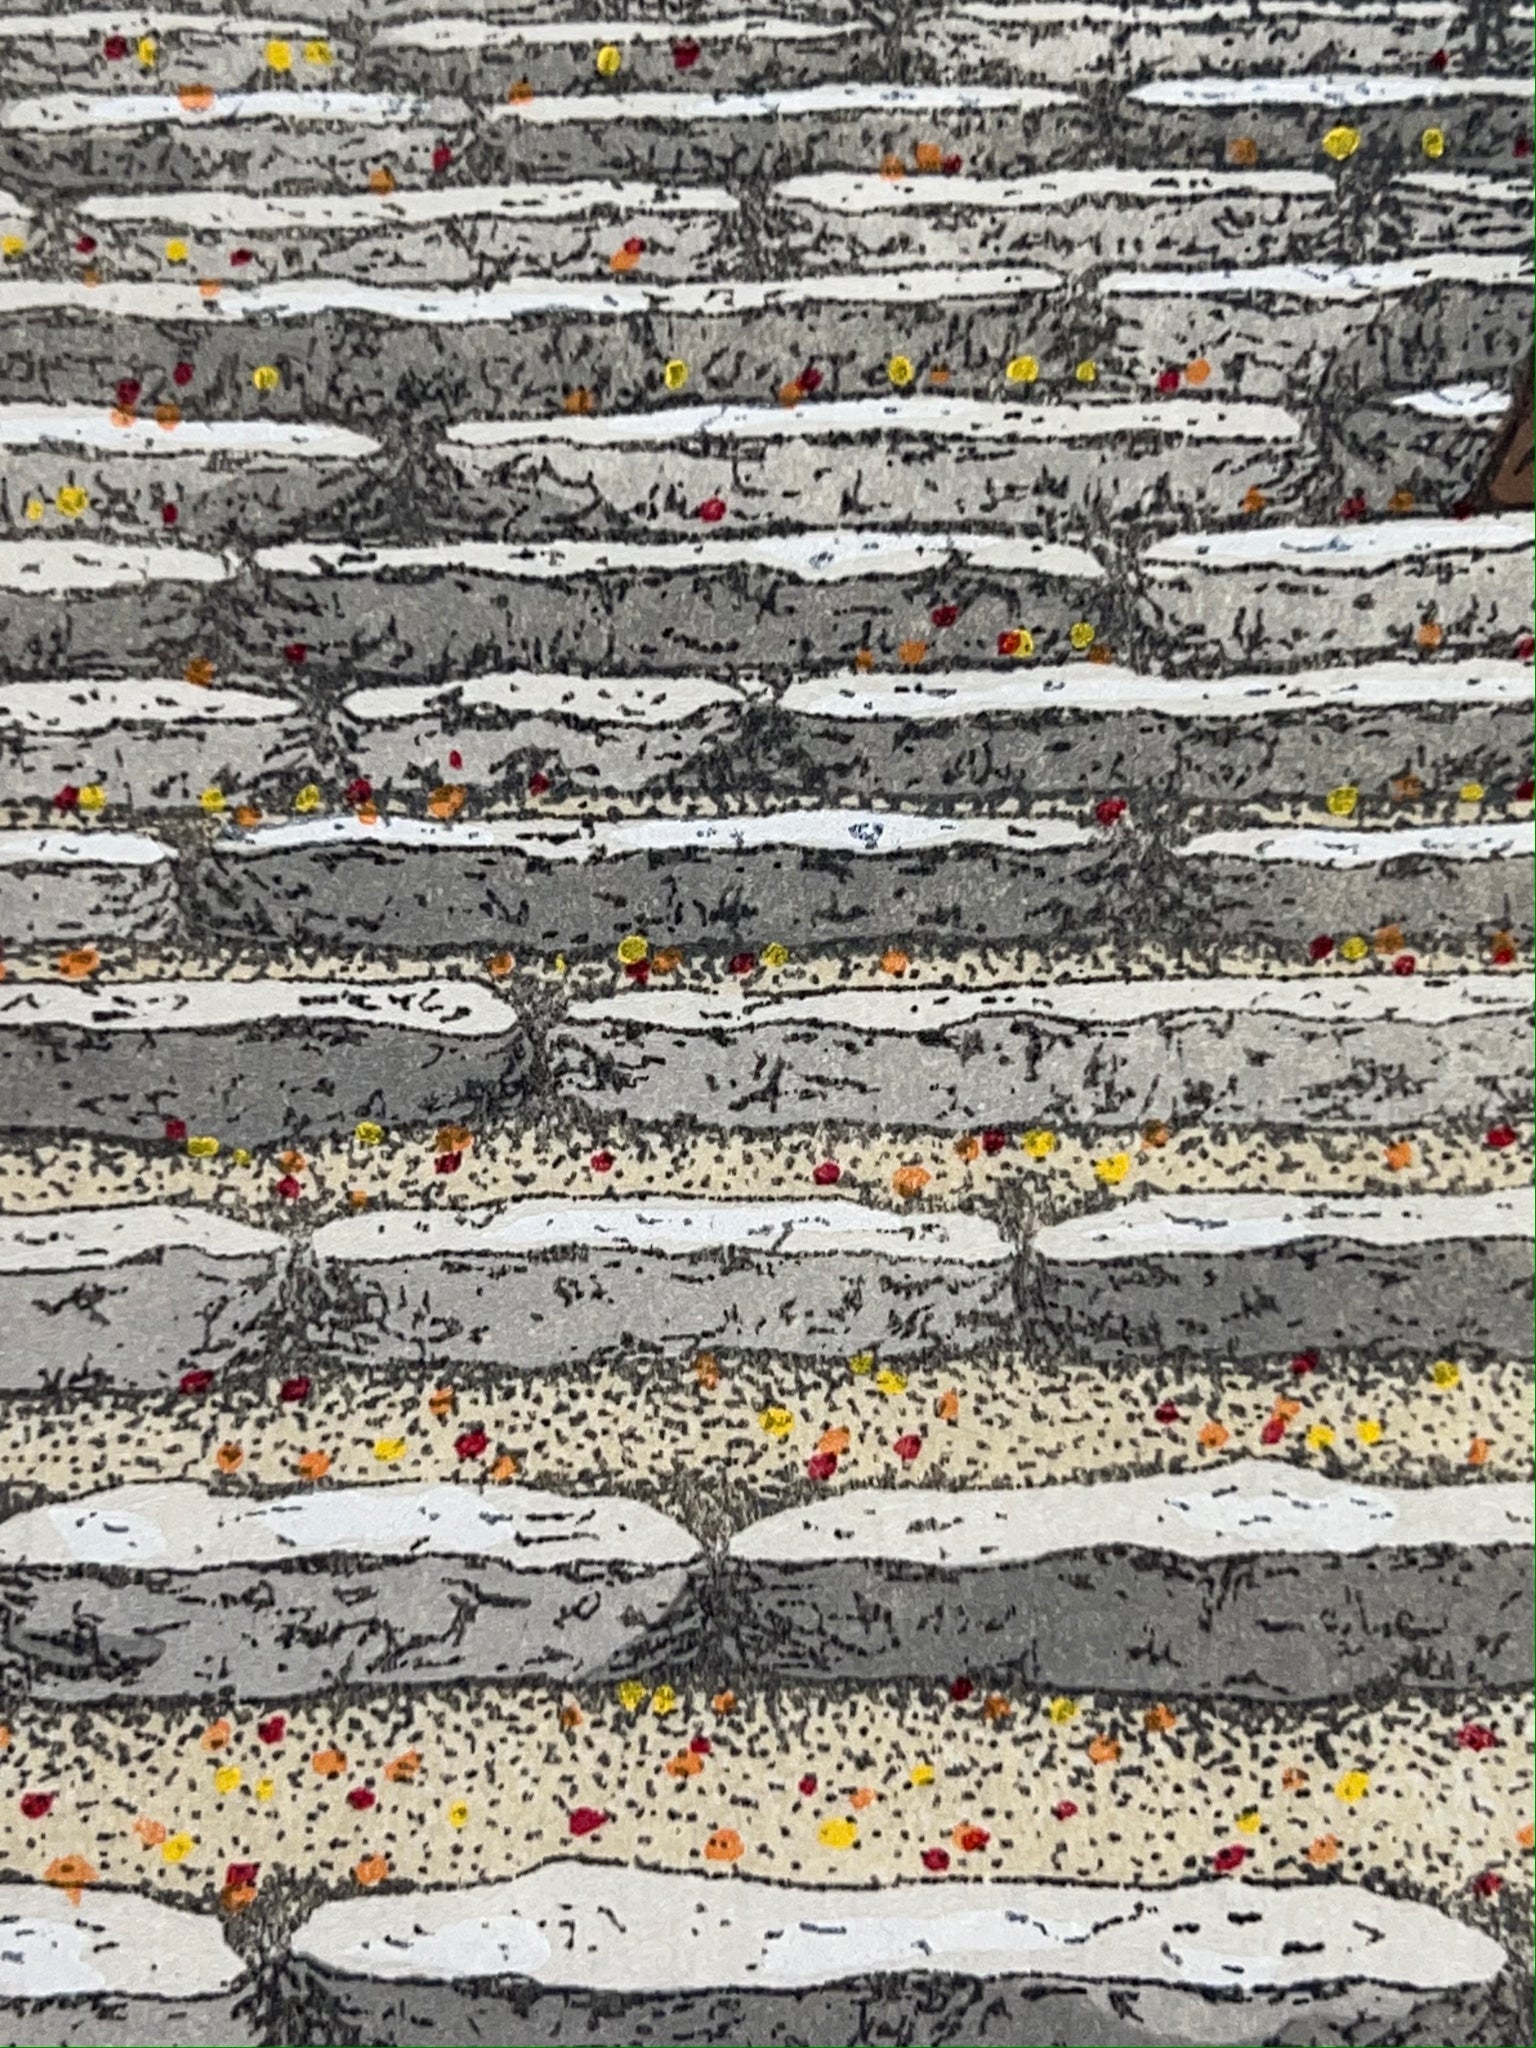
point(61, 890)
point(740, 60)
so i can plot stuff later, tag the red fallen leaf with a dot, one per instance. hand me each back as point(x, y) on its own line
point(1353, 507)
point(1502, 956)
point(972, 1839)
point(586, 1820)
point(1522, 145)
point(182, 374)
point(935, 1859)
point(1064, 1809)
point(455, 758)
point(1487, 1884)
point(295, 654)
point(1230, 1858)
point(638, 970)
point(960, 1689)
point(296, 1389)
point(474, 1443)
point(175, 1131)
point(944, 614)
point(359, 790)
point(1110, 810)
point(240, 1874)
point(240, 257)
point(810, 380)
point(602, 1162)
point(1320, 947)
point(635, 246)
point(1525, 647)
point(951, 166)
point(169, 515)
point(1525, 791)
point(1439, 62)
point(198, 1381)
point(1477, 1735)
point(1273, 1430)
point(1404, 964)
point(67, 799)
point(128, 391)
point(448, 1162)
point(1304, 1362)
point(85, 245)
point(712, 511)
point(685, 54)
point(828, 1174)
point(442, 157)
point(993, 1142)
point(37, 1805)
point(1008, 643)
point(1501, 1137)
point(907, 1448)
point(1167, 380)
point(743, 963)
point(1464, 507)
point(272, 1730)
point(538, 783)
point(808, 1785)
point(362, 1797)
point(1165, 1411)
point(115, 49)
point(821, 1465)
point(288, 1188)
point(701, 1745)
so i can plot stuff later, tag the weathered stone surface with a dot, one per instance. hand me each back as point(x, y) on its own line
point(597, 1953)
point(104, 604)
point(1470, 210)
point(152, 744)
point(131, 1297)
point(825, 877)
point(1251, 1582)
point(869, 462)
point(54, 44)
point(220, 479)
point(628, 733)
point(255, 1062)
point(1281, 889)
point(1071, 219)
point(108, 1969)
point(67, 887)
point(1258, 1276)
point(1432, 444)
point(1226, 1050)
point(540, 1284)
point(1279, 596)
point(807, 599)
point(158, 1591)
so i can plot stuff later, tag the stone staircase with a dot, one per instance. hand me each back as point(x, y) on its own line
point(819, 696)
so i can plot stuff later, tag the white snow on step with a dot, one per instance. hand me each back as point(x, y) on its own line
point(182, 1526)
point(35, 426)
point(454, 32)
point(68, 113)
point(967, 693)
point(1325, 89)
point(58, 568)
point(819, 555)
point(446, 1009)
point(1325, 548)
point(954, 419)
point(672, 1227)
point(66, 1240)
point(593, 700)
point(898, 288)
point(91, 704)
point(115, 1943)
point(255, 212)
point(606, 1927)
point(1365, 848)
point(867, 192)
point(1234, 1510)
point(1211, 1226)
point(308, 296)
point(1423, 1000)
point(81, 849)
point(1348, 283)
point(1456, 402)
point(682, 110)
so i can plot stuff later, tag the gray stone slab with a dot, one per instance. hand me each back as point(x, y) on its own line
point(1477, 211)
point(1279, 890)
point(108, 605)
point(112, 1969)
point(544, 1284)
point(1248, 1582)
point(69, 50)
point(132, 1297)
point(65, 888)
point(1432, 444)
point(152, 743)
point(256, 1062)
point(732, 884)
point(1250, 1277)
point(598, 1953)
point(159, 1591)
point(1228, 1050)
point(1279, 596)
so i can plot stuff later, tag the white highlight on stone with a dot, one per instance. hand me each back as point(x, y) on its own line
point(313, 212)
point(81, 850)
point(61, 1240)
point(685, 110)
point(59, 568)
point(859, 192)
point(68, 113)
point(1365, 849)
point(1324, 89)
point(1347, 283)
point(440, 1008)
point(41, 426)
point(1456, 402)
point(585, 700)
point(113, 1942)
point(455, 32)
point(92, 704)
point(1212, 1226)
point(1324, 548)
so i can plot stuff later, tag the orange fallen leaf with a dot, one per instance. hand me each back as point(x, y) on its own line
point(500, 965)
point(894, 961)
point(5, 1737)
point(623, 260)
point(1104, 1750)
point(199, 671)
point(371, 1870)
point(247, 815)
point(1398, 1155)
point(790, 394)
point(519, 92)
point(724, 1703)
point(723, 1846)
point(1285, 1410)
point(440, 1400)
point(229, 1457)
point(1430, 634)
point(1294, 1779)
point(928, 156)
point(939, 374)
point(1197, 372)
point(453, 1138)
point(1101, 654)
point(864, 1796)
point(217, 1735)
point(947, 1406)
point(328, 1763)
point(71, 1874)
point(150, 1832)
point(167, 415)
point(234, 1898)
point(79, 962)
point(706, 1370)
point(997, 1706)
point(1390, 939)
point(834, 1441)
point(571, 1715)
point(505, 1468)
point(1478, 1451)
point(196, 99)
point(1243, 151)
point(667, 960)
point(1526, 1836)
point(684, 1765)
point(967, 1149)
point(1323, 1851)
point(911, 653)
point(1213, 1435)
point(292, 1162)
point(1159, 1720)
point(909, 1181)
point(892, 167)
point(399, 1770)
point(313, 1464)
point(864, 661)
point(358, 1198)
point(1254, 499)
point(578, 402)
point(447, 800)
point(381, 179)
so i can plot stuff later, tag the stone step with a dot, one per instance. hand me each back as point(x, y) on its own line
point(255, 1062)
point(823, 877)
point(1198, 121)
point(65, 470)
point(1063, 44)
point(545, 1284)
point(112, 1969)
point(155, 744)
point(1277, 596)
point(1252, 1582)
point(1082, 730)
point(1269, 889)
point(871, 461)
point(593, 1951)
point(83, 888)
point(1073, 219)
point(491, 58)
point(1431, 444)
point(431, 239)
point(65, 145)
point(158, 1591)
point(1466, 210)
point(109, 605)
point(1227, 1051)
point(1251, 1276)
point(54, 48)
point(992, 129)
point(132, 1297)
point(1278, 332)
point(808, 599)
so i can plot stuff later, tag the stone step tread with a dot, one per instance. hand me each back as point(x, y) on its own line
point(66, 1954)
point(1215, 1226)
point(99, 1240)
point(94, 433)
